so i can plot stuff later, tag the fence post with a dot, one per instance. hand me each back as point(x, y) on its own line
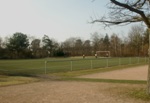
point(45, 66)
point(107, 62)
point(119, 61)
point(91, 64)
point(138, 60)
point(129, 60)
point(71, 65)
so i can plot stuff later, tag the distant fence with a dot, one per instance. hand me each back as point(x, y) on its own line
point(29, 67)
point(52, 66)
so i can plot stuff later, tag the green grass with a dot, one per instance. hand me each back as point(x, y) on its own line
point(106, 80)
point(139, 94)
point(29, 67)
point(21, 67)
point(18, 71)
point(13, 80)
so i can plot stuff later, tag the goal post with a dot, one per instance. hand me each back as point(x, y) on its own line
point(103, 53)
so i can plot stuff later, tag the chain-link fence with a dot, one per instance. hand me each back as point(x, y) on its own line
point(80, 64)
point(55, 65)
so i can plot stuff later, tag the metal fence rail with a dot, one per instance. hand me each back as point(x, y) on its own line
point(80, 64)
point(53, 65)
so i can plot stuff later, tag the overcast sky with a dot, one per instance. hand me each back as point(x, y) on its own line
point(59, 19)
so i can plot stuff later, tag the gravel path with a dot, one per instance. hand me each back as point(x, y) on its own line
point(67, 92)
point(137, 73)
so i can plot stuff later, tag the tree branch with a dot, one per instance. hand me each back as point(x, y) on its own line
point(117, 22)
point(138, 5)
point(141, 13)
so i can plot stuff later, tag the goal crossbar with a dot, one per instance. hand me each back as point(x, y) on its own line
point(108, 52)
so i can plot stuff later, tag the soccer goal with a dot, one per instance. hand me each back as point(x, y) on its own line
point(103, 53)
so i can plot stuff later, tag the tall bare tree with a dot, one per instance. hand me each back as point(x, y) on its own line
point(69, 45)
point(145, 42)
point(106, 42)
point(87, 47)
point(126, 12)
point(135, 36)
point(115, 45)
point(95, 39)
point(78, 47)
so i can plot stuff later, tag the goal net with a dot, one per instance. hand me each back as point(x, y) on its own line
point(103, 53)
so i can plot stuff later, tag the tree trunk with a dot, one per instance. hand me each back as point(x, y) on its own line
point(148, 77)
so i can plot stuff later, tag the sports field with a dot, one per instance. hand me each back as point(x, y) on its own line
point(55, 65)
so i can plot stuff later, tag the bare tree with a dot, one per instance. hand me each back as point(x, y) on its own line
point(126, 12)
point(145, 42)
point(135, 36)
point(35, 46)
point(106, 42)
point(115, 45)
point(95, 39)
point(78, 47)
point(69, 45)
point(87, 47)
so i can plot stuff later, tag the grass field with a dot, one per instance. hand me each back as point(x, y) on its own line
point(54, 65)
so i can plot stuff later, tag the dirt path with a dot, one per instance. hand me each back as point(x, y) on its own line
point(77, 92)
point(68, 92)
point(136, 73)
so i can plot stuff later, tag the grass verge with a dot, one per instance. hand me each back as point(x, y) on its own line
point(14, 80)
point(139, 94)
point(106, 80)
point(91, 71)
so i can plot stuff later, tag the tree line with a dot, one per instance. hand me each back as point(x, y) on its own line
point(19, 45)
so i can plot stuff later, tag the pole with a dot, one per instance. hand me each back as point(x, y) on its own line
point(119, 61)
point(129, 60)
point(107, 62)
point(71, 65)
point(45, 66)
point(91, 64)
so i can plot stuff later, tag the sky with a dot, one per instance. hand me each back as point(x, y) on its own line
point(59, 19)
